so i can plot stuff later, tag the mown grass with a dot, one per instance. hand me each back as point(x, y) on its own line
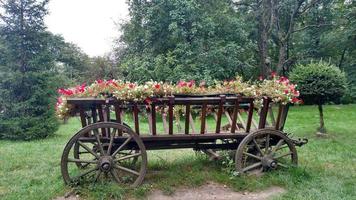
point(327, 166)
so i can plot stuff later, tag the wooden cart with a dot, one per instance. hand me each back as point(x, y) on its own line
point(106, 146)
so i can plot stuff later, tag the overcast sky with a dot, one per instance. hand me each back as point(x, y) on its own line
point(88, 23)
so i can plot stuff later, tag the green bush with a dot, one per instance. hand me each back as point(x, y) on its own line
point(319, 83)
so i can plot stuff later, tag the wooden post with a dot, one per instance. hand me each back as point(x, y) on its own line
point(234, 116)
point(263, 113)
point(220, 110)
point(203, 115)
point(153, 117)
point(170, 112)
point(249, 118)
point(187, 116)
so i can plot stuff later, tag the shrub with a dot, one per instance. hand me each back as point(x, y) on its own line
point(319, 83)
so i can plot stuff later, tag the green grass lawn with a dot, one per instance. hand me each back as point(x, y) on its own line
point(327, 166)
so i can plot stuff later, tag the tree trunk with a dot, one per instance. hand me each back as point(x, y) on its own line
point(282, 58)
point(321, 129)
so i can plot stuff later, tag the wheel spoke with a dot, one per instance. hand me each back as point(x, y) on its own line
point(112, 135)
point(267, 144)
point(253, 166)
point(96, 133)
point(258, 147)
point(85, 173)
point(278, 145)
point(81, 161)
point(253, 156)
point(127, 170)
point(122, 146)
point(128, 156)
point(88, 149)
point(114, 175)
point(97, 176)
point(282, 165)
point(283, 155)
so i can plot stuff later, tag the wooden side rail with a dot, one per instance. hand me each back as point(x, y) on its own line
point(229, 107)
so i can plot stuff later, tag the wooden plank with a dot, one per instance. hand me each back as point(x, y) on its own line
point(153, 116)
point(263, 113)
point(227, 114)
point(83, 119)
point(94, 114)
point(118, 116)
point(271, 115)
point(220, 111)
point(101, 118)
point(170, 115)
point(241, 120)
point(164, 120)
point(149, 118)
point(234, 116)
point(203, 122)
point(249, 117)
point(136, 120)
point(280, 110)
point(187, 116)
point(192, 124)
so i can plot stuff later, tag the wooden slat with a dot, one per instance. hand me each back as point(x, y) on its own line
point(136, 120)
point(94, 114)
point(203, 122)
point(192, 124)
point(227, 114)
point(187, 116)
point(83, 119)
point(170, 117)
point(280, 110)
point(153, 116)
point(234, 116)
point(118, 116)
point(164, 120)
point(249, 118)
point(241, 120)
point(271, 115)
point(149, 118)
point(101, 118)
point(263, 113)
point(219, 115)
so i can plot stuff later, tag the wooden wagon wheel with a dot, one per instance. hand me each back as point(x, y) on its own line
point(265, 149)
point(79, 151)
point(109, 156)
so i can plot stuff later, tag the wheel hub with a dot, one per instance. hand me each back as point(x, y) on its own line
point(269, 162)
point(105, 163)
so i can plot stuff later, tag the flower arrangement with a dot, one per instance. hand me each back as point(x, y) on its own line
point(279, 89)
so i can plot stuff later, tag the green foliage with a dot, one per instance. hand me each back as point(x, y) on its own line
point(189, 39)
point(319, 82)
point(27, 81)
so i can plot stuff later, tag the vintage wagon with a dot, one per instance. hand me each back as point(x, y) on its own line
point(107, 146)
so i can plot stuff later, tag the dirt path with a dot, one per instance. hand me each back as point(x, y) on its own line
point(214, 191)
point(210, 191)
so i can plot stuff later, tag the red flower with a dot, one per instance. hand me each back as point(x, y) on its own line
point(99, 81)
point(286, 91)
point(295, 100)
point(67, 92)
point(157, 86)
point(148, 100)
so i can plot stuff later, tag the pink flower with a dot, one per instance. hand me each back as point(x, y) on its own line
point(131, 85)
point(182, 84)
point(273, 74)
point(260, 78)
point(99, 81)
point(286, 91)
point(191, 83)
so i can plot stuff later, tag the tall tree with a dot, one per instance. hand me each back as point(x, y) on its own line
point(26, 85)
